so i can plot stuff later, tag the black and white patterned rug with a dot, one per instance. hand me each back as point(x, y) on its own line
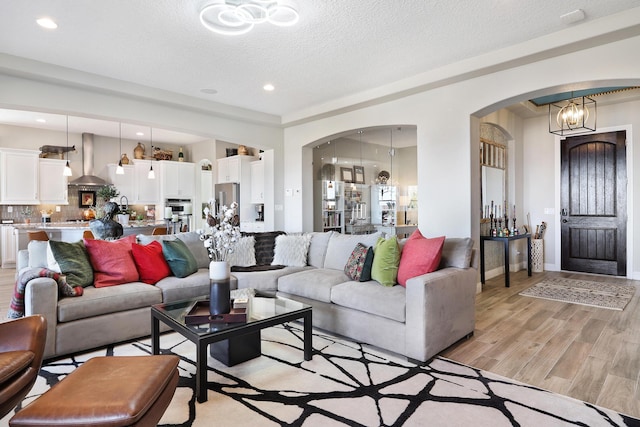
point(346, 384)
point(595, 294)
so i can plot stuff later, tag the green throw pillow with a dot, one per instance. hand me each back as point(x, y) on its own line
point(180, 259)
point(73, 261)
point(386, 259)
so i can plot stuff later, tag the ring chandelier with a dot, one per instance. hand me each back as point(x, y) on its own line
point(235, 17)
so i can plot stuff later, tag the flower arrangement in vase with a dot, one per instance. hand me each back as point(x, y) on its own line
point(224, 232)
point(220, 242)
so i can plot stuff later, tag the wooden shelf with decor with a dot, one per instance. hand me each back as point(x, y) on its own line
point(333, 206)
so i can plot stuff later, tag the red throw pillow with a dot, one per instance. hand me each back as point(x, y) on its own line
point(112, 261)
point(419, 256)
point(150, 262)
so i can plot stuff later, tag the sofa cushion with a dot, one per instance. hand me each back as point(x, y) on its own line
point(265, 245)
point(244, 252)
point(112, 299)
point(179, 258)
point(264, 278)
point(38, 253)
point(386, 259)
point(150, 262)
point(419, 256)
point(341, 245)
point(196, 247)
point(72, 260)
point(371, 297)
point(456, 252)
point(318, 248)
point(291, 250)
point(192, 286)
point(112, 261)
point(359, 264)
point(315, 283)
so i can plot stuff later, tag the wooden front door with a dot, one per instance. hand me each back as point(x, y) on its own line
point(594, 203)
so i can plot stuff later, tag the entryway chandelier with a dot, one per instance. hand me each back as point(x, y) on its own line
point(575, 117)
point(235, 17)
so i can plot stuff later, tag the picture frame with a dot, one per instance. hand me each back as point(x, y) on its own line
point(358, 174)
point(86, 199)
point(346, 174)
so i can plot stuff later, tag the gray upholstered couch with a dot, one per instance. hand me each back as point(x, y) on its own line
point(431, 313)
point(105, 315)
point(434, 310)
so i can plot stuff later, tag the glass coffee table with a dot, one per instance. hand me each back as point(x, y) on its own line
point(230, 343)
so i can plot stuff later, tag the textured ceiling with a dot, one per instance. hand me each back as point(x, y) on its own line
point(339, 48)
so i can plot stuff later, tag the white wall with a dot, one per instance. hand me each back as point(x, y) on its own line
point(444, 133)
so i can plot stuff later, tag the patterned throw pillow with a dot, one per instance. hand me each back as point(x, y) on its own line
point(244, 253)
point(291, 250)
point(358, 267)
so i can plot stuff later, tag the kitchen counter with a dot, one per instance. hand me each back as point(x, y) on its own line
point(71, 231)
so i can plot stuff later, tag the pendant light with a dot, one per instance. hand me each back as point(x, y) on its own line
point(151, 174)
point(120, 169)
point(577, 116)
point(67, 168)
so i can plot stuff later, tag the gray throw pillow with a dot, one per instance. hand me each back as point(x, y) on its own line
point(456, 252)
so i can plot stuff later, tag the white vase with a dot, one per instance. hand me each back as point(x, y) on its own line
point(219, 270)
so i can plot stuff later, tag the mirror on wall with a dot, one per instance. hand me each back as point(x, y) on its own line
point(366, 180)
point(493, 165)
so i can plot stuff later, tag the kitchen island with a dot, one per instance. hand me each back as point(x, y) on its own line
point(70, 231)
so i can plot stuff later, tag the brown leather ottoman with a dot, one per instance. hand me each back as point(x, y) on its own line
point(107, 391)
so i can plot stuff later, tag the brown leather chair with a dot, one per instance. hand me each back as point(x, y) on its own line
point(38, 235)
point(159, 231)
point(21, 350)
point(87, 234)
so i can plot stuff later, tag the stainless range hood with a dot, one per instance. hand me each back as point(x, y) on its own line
point(88, 178)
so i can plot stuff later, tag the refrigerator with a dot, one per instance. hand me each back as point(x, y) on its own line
point(225, 194)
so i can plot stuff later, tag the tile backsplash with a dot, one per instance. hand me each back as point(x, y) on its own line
point(69, 212)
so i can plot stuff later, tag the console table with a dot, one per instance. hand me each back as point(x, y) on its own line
point(505, 240)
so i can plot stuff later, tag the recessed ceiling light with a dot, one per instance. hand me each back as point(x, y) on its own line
point(41, 121)
point(268, 87)
point(47, 23)
point(140, 133)
point(209, 91)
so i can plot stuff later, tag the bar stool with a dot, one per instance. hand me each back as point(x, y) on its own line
point(38, 235)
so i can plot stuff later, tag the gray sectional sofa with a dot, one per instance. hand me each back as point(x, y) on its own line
point(434, 310)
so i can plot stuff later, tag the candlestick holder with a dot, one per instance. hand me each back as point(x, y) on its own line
point(491, 229)
point(499, 226)
point(515, 229)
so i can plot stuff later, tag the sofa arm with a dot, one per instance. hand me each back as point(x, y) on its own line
point(41, 297)
point(440, 310)
point(23, 259)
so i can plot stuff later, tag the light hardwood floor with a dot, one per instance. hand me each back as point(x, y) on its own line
point(588, 353)
point(591, 354)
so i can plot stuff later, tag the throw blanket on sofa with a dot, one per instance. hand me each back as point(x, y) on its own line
point(16, 308)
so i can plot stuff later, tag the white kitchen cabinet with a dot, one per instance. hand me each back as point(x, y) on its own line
point(19, 177)
point(8, 246)
point(257, 182)
point(230, 169)
point(52, 182)
point(146, 191)
point(252, 226)
point(125, 183)
point(177, 180)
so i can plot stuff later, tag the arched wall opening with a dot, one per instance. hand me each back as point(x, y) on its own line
point(535, 155)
